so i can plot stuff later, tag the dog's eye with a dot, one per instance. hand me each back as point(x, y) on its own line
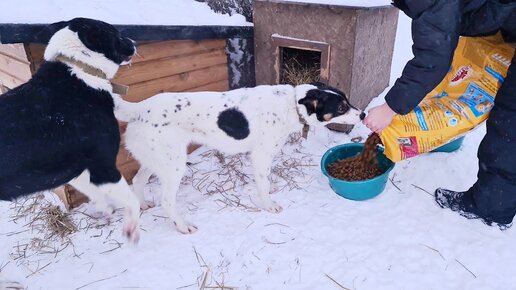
point(340, 109)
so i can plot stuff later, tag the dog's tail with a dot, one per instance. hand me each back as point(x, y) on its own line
point(124, 110)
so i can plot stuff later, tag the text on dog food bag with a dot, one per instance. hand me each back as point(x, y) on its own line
point(460, 103)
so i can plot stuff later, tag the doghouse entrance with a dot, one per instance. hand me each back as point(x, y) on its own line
point(299, 66)
point(299, 61)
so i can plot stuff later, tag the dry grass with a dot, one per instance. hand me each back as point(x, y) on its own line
point(229, 176)
point(52, 231)
point(43, 217)
point(295, 73)
point(206, 279)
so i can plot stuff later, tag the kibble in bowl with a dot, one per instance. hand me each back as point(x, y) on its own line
point(356, 189)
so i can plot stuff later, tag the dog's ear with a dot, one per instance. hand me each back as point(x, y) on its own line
point(323, 86)
point(46, 33)
point(319, 85)
point(310, 102)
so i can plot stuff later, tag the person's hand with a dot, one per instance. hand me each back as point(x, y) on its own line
point(379, 118)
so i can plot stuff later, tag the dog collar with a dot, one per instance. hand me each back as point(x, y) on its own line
point(303, 121)
point(86, 68)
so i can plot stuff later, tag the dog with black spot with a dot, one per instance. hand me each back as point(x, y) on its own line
point(60, 127)
point(256, 120)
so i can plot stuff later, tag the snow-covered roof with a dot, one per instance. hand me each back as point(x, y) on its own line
point(144, 12)
point(353, 3)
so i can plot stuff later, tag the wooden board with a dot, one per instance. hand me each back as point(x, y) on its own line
point(177, 83)
point(164, 49)
point(9, 81)
point(16, 51)
point(3, 89)
point(35, 54)
point(14, 67)
point(218, 86)
point(154, 69)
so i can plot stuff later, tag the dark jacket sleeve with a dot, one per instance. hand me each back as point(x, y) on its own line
point(435, 32)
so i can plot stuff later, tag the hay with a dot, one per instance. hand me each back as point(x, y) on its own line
point(294, 73)
point(52, 231)
point(229, 175)
point(206, 279)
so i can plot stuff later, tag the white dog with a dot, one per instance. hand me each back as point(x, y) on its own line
point(256, 120)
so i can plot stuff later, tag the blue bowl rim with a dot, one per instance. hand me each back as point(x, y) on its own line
point(325, 172)
point(449, 143)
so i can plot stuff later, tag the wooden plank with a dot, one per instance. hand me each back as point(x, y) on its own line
point(15, 68)
point(129, 170)
point(3, 89)
point(150, 70)
point(164, 49)
point(218, 86)
point(15, 50)
point(177, 83)
point(35, 54)
point(10, 81)
point(123, 156)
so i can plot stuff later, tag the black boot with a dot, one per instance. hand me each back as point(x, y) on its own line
point(462, 203)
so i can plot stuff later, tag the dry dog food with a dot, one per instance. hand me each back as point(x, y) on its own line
point(360, 167)
point(461, 102)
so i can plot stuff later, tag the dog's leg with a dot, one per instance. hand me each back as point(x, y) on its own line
point(121, 193)
point(139, 181)
point(123, 196)
point(98, 198)
point(170, 184)
point(262, 168)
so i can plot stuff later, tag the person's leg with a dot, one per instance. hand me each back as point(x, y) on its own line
point(493, 197)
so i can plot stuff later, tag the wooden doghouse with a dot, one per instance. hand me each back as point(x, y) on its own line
point(354, 44)
point(170, 59)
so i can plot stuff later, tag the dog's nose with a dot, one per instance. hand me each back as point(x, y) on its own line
point(362, 116)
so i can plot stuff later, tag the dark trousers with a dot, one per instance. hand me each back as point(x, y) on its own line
point(493, 196)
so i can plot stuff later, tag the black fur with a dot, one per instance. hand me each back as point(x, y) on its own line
point(96, 35)
point(322, 103)
point(233, 123)
point(54, 127)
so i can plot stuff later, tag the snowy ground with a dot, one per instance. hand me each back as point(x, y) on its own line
point(155, 12)
point(399, 240)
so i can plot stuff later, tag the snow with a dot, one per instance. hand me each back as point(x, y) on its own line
point(353, 3)
point(145, 12)
point(236, 55)
point(399, 240)
point(276, 35)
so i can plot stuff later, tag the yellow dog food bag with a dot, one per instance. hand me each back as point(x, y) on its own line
point(460, 103)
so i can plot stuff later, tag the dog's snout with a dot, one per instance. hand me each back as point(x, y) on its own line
point(362, 116)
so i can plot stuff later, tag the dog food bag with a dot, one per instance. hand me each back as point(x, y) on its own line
point(460, 103)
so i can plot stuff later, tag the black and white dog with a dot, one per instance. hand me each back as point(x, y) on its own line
point(59, 127)
point(256, 120)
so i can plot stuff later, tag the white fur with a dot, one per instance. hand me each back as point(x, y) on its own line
point(122, 195)
point(67, 43)
point(158, 137)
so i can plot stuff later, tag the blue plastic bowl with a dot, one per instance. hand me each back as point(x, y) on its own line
point(356, 190)
point(450, 147)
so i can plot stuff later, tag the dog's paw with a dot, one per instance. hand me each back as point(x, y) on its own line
point(145, 205)
point(185, 228)
point(105, 209)
point(132, 232)
point(272, 207)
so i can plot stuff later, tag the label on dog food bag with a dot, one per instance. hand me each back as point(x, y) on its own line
point(460, 103)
